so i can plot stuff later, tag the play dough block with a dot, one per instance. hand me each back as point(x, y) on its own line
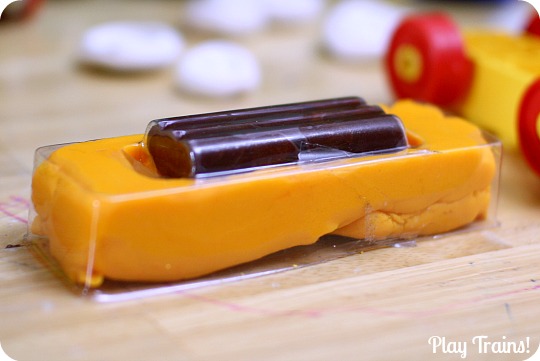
point(106, 212)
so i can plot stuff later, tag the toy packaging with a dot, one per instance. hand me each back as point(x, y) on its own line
point(209, 198)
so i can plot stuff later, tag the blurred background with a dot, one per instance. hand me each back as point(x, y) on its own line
point(58, 83)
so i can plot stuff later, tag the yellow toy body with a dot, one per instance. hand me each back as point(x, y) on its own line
point(505, 67)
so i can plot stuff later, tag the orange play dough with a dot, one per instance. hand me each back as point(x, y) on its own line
point(107, 214)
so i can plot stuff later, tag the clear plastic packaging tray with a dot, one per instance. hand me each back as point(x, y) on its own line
point(329, 247)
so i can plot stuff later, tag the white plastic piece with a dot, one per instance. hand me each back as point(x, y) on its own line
point(218, 69)
point(229, 17)
point(360, 29)
point(131, 46)
point(294, 11)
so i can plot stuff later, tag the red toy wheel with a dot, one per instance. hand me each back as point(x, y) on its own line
point(529, 126)
point(534, 24)
point(426, 60)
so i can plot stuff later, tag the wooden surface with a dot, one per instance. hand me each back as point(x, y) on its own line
point(378, 305)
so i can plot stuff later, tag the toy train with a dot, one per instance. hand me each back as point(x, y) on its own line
point(489, 77)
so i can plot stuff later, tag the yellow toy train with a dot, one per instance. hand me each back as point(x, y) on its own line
point(489, 77)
